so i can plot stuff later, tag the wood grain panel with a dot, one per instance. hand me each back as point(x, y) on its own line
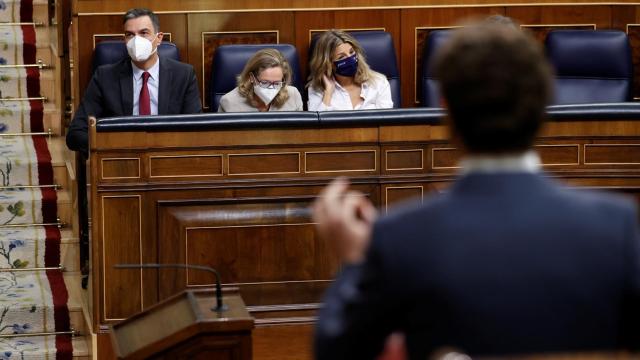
point(185, 166)
point(555, 155)
point(207, 31)
point(445, 158)
point(253, 253)
point(264, 163)
point(340, 161)
point(268, 342)
point(121, 244)
point(600, 16)
point(398, 194)
point(404, 159)
point(612, 154)
point(120, 168)
point(266, 246)
point(539, 32)
point(633, 30)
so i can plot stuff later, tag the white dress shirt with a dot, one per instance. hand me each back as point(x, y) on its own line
point(152, 84)
point(375, 92)
point(527, 162)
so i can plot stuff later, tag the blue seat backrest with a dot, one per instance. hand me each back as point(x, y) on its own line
point(229, 60)
point(430, 89)
point(112, 51)
point(381, 56)
point(590, 66)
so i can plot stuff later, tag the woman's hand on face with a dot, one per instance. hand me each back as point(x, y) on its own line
point(329, 85)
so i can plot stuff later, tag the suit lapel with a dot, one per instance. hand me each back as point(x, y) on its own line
point(164, 90)
point(126, 88)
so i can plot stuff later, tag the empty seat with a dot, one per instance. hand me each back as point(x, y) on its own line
point(591, 66)
point(229, 60)
point(112, 51)
point(381, 57)
point(430, 89)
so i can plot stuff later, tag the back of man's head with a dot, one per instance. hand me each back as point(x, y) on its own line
point(496, 83)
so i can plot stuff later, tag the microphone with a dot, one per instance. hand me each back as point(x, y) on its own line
point(219, 306)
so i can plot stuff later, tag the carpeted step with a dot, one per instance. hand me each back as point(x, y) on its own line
point(37, 347)
point(19, 83)
point(22, 117)
point(25, 160)
point(33, 302)
point(30, 247)
point(25, 11)
point(28, 206)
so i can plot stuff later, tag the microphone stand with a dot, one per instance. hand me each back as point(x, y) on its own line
point(219, 305)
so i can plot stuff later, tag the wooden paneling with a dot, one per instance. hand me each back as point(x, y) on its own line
point(612, 154)
point(402, 192)
point(266, 247)
point(185, 165)
point(120, 168)
point(336, 161)
point(401, 159)
point(268, 342)
point(208, 31)
point(121, 244)
point(256, 229)
point(265, 163)
point(559, 154)
point(92, 6)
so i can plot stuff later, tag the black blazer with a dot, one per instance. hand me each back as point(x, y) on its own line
point(500, 264)
point(110, 93)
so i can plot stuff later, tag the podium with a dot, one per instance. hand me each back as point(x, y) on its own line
point(185, 327)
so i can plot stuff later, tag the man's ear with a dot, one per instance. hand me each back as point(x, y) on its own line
point(160, 36)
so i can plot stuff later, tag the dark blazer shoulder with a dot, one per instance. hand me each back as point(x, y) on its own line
point(112, 70)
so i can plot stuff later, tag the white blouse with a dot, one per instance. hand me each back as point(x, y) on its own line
point(376, 94)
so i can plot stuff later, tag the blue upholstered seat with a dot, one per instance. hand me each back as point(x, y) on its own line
point(112, 51)
point(381, 56)
point(229, 60)
point(430, 90)
point(591, 66)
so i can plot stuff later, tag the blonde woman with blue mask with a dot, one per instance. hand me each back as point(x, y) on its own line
point(263, 85)
point(341, 79)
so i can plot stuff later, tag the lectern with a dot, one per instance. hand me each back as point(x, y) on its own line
point(186, 326)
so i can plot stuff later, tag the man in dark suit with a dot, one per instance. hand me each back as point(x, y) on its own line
point(506, 261)
point(142, 84)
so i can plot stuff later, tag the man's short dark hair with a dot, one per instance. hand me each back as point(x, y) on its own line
point(139, 12)
point(497, 83)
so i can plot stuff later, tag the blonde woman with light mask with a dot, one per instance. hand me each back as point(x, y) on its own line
point(341, 78)
point(263, 85)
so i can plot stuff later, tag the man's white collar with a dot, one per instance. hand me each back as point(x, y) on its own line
point(522, 162)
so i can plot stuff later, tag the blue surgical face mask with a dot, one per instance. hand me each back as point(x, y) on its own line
point(347, 66)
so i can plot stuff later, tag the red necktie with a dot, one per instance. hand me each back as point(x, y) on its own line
point(144, 105)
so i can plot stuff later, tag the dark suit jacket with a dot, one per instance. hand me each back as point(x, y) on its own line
point(502, 263)
point(110, 93)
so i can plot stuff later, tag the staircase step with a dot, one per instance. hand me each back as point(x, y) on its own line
point(82, 347)
point(59, 159)
point(76, 315)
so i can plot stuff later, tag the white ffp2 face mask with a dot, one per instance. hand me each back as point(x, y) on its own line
point(139, 48)
point(266, 95)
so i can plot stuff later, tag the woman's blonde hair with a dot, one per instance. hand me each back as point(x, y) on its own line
point(261, 60)
point(322, 58)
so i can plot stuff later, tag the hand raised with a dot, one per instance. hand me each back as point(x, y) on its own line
point(345, 219)
point(329, 85)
